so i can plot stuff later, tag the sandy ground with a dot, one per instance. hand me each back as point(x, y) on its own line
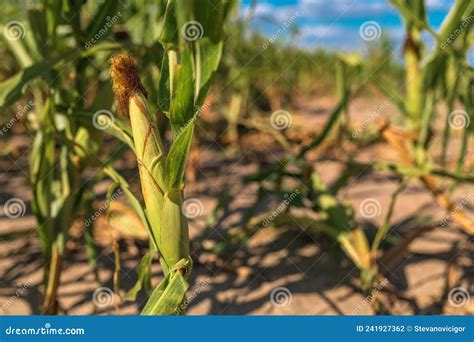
point(313, 274)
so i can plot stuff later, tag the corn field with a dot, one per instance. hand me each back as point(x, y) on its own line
point(198, 157)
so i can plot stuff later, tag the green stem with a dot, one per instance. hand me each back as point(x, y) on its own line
point(384, 228)
point(462, 157)
point(50, 303)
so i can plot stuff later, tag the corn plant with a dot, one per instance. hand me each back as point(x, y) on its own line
point(345, 64)
point(192, 39)
point(427, 75)
point(56, 70)
point(423, 81)
point(431, 77)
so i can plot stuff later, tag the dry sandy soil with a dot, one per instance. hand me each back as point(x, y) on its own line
point(317, 277)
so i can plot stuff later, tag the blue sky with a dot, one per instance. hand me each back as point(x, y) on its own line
point(334, 24)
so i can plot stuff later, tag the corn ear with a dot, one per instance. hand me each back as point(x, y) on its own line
point(187, 69)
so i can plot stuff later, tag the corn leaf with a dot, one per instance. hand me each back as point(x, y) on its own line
point(41, 163)
point(182, 106)
point(52, 13)
point(108, 8)
point(168, 296)
point(118, 128)
point(356, 246)
point(461, 8)
point(37, 21)
point(177, 157)
point(210, 54)
point(144, 277)
point(170, 35)
point(135, 203)
point(164, 90)
point(333, 118)
point(12, 89)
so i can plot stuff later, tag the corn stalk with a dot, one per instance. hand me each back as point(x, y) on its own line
point(431, 77)
point(187, 69)
point(423, 75)
point(51, 64)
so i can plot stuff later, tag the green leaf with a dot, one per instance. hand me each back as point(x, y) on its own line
point(178, 155)
point(20, 50)
point(209, 13)
point(164, 90)
point(168, 296)
point(102, 46)
point(356, 247)
point(52, 13)
point(210, 54)
point(144, 276)
point(336, 213)
point(182, 106)
point(42, 160)
point(135, 203)
point(170, 35)
point(118, 128)
point(334, 116)
point(39, 30)
point(107, 9)
point(412, 11)
point(91, 247)
point(454, 18)
point(12, 89)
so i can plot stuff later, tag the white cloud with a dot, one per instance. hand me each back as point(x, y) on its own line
point(336, 9)
point(439, 4)
point(321, 31)
point(265, 10)
point(333, 23)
